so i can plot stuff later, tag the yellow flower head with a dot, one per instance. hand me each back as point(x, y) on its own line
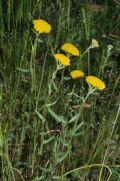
point(64, 60)
point(71, 49)
point(75, 74)
point(95, 82)
point(41, 26)
point(94, 44)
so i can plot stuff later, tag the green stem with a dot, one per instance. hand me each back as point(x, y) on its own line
point(88, 62)
point(105, 155)
point(85, 52)
point(40, 85)
point(91, 90)
point(90, 166)
point(33, 67)
point(85, 24)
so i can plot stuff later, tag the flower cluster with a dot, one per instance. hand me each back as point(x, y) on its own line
point(94, 44)
point(75, 74)
point(42, 26)
point(64, 60)
point(71, 50)
point(95, 82)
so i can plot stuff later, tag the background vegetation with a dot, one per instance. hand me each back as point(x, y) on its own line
point(46, 133)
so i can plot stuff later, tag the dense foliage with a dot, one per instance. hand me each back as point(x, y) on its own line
point(53, 127)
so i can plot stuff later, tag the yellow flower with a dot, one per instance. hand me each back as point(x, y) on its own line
point(64, 60)
point(76, 74)
point(94, 44)
point(41, 26)
point(95, 82)
point(71, 49)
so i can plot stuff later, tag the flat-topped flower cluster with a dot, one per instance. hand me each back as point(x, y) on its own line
point(42, 26)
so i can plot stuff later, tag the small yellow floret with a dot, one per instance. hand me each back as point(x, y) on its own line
point(75, 74)
point(41, 26)
point(64, 60)
point(95, 82)
point(71, 49)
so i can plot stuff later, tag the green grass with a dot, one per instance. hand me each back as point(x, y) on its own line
point(51, 127)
